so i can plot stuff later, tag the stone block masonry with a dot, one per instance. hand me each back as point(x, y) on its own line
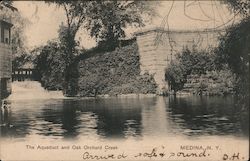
point(158, 47)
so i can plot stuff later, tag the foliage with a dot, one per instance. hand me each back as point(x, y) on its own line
point(197, 62)
point(104, 19)
point(108, 19)
point(75, 12)
point(217, 82)
point(141, 84)
point(7, 2)
point(50, 66)
point(224, 82)
point(112, 73)
point(206, 76)
point(176, 76)
point(189, 62)
point(116, 72)
point(234, 50)
point(239, 6)
point(19, 48)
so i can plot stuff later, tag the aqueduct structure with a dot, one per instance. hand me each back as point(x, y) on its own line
point(158, 47)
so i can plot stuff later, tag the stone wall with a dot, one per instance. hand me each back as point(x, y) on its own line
point(211, 83)
point(157, 47)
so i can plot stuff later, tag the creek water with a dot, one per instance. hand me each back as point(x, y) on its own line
point(33, 112)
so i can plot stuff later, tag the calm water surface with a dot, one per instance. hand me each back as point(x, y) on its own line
point(124, 118)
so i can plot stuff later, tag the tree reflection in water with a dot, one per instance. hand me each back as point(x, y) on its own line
point(115, 118)
point(207, 115)
point(123, 118)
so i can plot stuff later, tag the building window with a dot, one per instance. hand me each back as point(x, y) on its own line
point(6, 41)
point(5, 32)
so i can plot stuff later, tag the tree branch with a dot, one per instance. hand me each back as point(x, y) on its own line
point(67, 15)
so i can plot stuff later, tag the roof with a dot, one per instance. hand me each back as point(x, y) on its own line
point(27, 65)
point(5, 23)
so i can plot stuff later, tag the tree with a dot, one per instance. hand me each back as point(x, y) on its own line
point(75, 12)
point(7, 2)
point(50, 65)
point(239, 6)
point(97, 17)
point(108, 19)
point(234, 49)
point(176, 76)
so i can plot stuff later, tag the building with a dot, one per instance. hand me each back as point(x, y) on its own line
point(5, 58)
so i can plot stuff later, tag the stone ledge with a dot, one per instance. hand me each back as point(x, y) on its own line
point(163, 30)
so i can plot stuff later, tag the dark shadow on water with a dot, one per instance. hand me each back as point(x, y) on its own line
point(208, 116)
point(115, 118)
point(106, 118)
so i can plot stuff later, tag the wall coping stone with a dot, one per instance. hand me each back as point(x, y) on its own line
point(162, 30)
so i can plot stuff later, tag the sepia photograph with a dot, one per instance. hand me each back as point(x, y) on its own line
point(124, 80)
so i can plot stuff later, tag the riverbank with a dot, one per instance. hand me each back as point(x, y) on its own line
point(32, 90)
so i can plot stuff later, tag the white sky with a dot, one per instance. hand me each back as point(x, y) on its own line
point(45, 19)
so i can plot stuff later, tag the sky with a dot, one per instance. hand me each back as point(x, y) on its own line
point(45, 19)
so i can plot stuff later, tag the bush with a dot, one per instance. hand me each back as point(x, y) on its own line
point(141, 84)
point(196, 72)
point(188, 62)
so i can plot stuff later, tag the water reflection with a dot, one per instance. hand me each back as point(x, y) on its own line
point(207, 116)
point(114, 118)
point(123, 118)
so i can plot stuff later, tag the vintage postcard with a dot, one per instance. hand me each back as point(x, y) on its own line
point(124, 80)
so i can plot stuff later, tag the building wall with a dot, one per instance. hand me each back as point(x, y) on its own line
point(5, 70)
point(158, 47)
point(5, 61)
